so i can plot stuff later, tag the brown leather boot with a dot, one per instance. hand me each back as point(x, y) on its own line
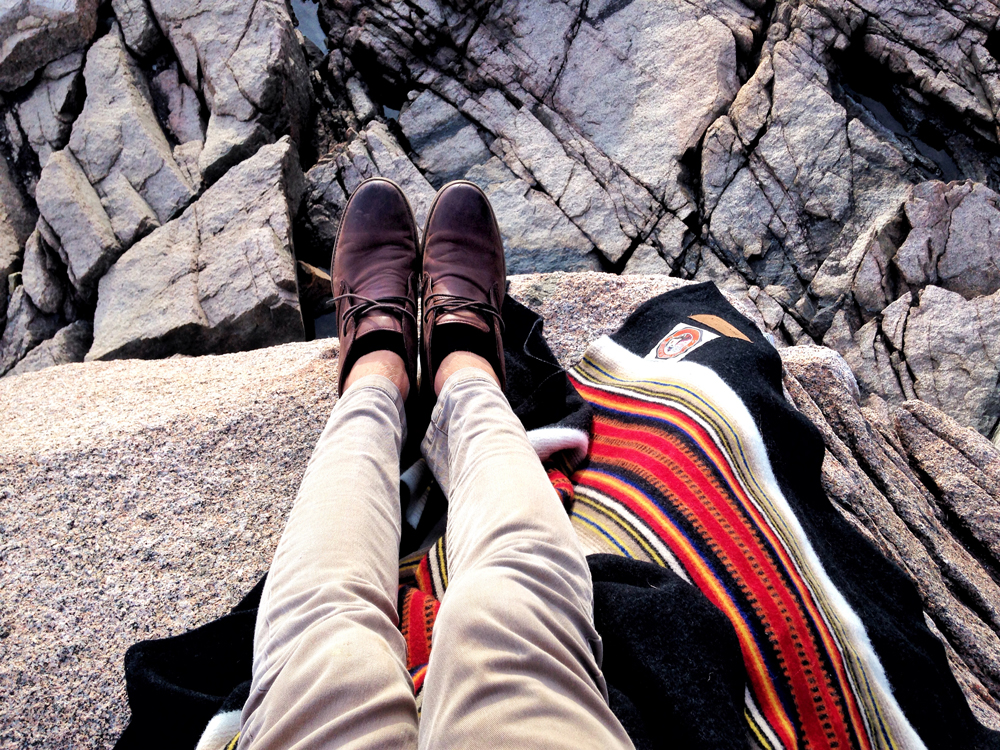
point(375, 275)
point(464, 280)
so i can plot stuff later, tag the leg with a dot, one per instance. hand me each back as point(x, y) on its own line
point(329, 665)
point(515, 661)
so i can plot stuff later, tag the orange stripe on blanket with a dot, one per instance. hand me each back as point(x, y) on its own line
point(719, 459)
point(704, 579)
point(740, 539)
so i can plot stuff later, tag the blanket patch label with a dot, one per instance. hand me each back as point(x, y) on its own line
point(681, 341)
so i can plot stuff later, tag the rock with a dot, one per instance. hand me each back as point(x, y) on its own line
point(138, 25)
point(221, 277)
point(973, 446)
point(4, 298)
point(186, 155)
point(363, 106)
point(745, 222)
point(243, 57)
point(617, 111)
point(70, 205)
point(322, 206)
point(332, 115)
point(804, 361)
point(372, 153)
point(43, 275)
point(446, 143)
point(877, 358)
point(89, 430)
point(772, 312)
point(33, 34)
point(387, 159)
point(749, 110)
point(17, 220)
point(27, 327)
point(592, 215)
point(952, 347)
point(14, 217)
point(645, 260)
point(970, 493)
point(537, 236)
point(70, 344)
point(709, 267)
point(645, 86)
point(630, 118)
point(580, 307)
point(121, 148)
point(598, 114)
point(722, 157)
point(806, 145)
point(866, 274)
point(47, 114)
point(788, 182)
point(19, 153)
point(662, 248)
point(954, 242)
point(315, 290)
point(671, 237)
point(787, 215)
point(375, 153)
point(642, 68)
point(942, 349)
point(230, 141)
point(182, 106)
point(529, 148)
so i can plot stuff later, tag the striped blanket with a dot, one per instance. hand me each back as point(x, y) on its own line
point(678, 476)
point(674, 466)
point(737, 607)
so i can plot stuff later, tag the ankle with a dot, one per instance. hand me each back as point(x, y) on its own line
point(380, 362)
point(459, 360)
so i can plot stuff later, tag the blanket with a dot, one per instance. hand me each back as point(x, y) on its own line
point(737, 607)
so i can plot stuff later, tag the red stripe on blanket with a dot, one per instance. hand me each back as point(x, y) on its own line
point(416, 621)
point(674, 479)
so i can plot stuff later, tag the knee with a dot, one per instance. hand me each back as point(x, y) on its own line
point(507, 603)
point(536, 562)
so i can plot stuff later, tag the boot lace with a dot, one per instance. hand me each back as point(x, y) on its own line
point(362, 305)
point(441, 303)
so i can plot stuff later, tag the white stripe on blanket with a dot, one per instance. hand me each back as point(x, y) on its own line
point(220, 731)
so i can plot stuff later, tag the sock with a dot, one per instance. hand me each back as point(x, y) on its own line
point(459, 337)
point(373, 342)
